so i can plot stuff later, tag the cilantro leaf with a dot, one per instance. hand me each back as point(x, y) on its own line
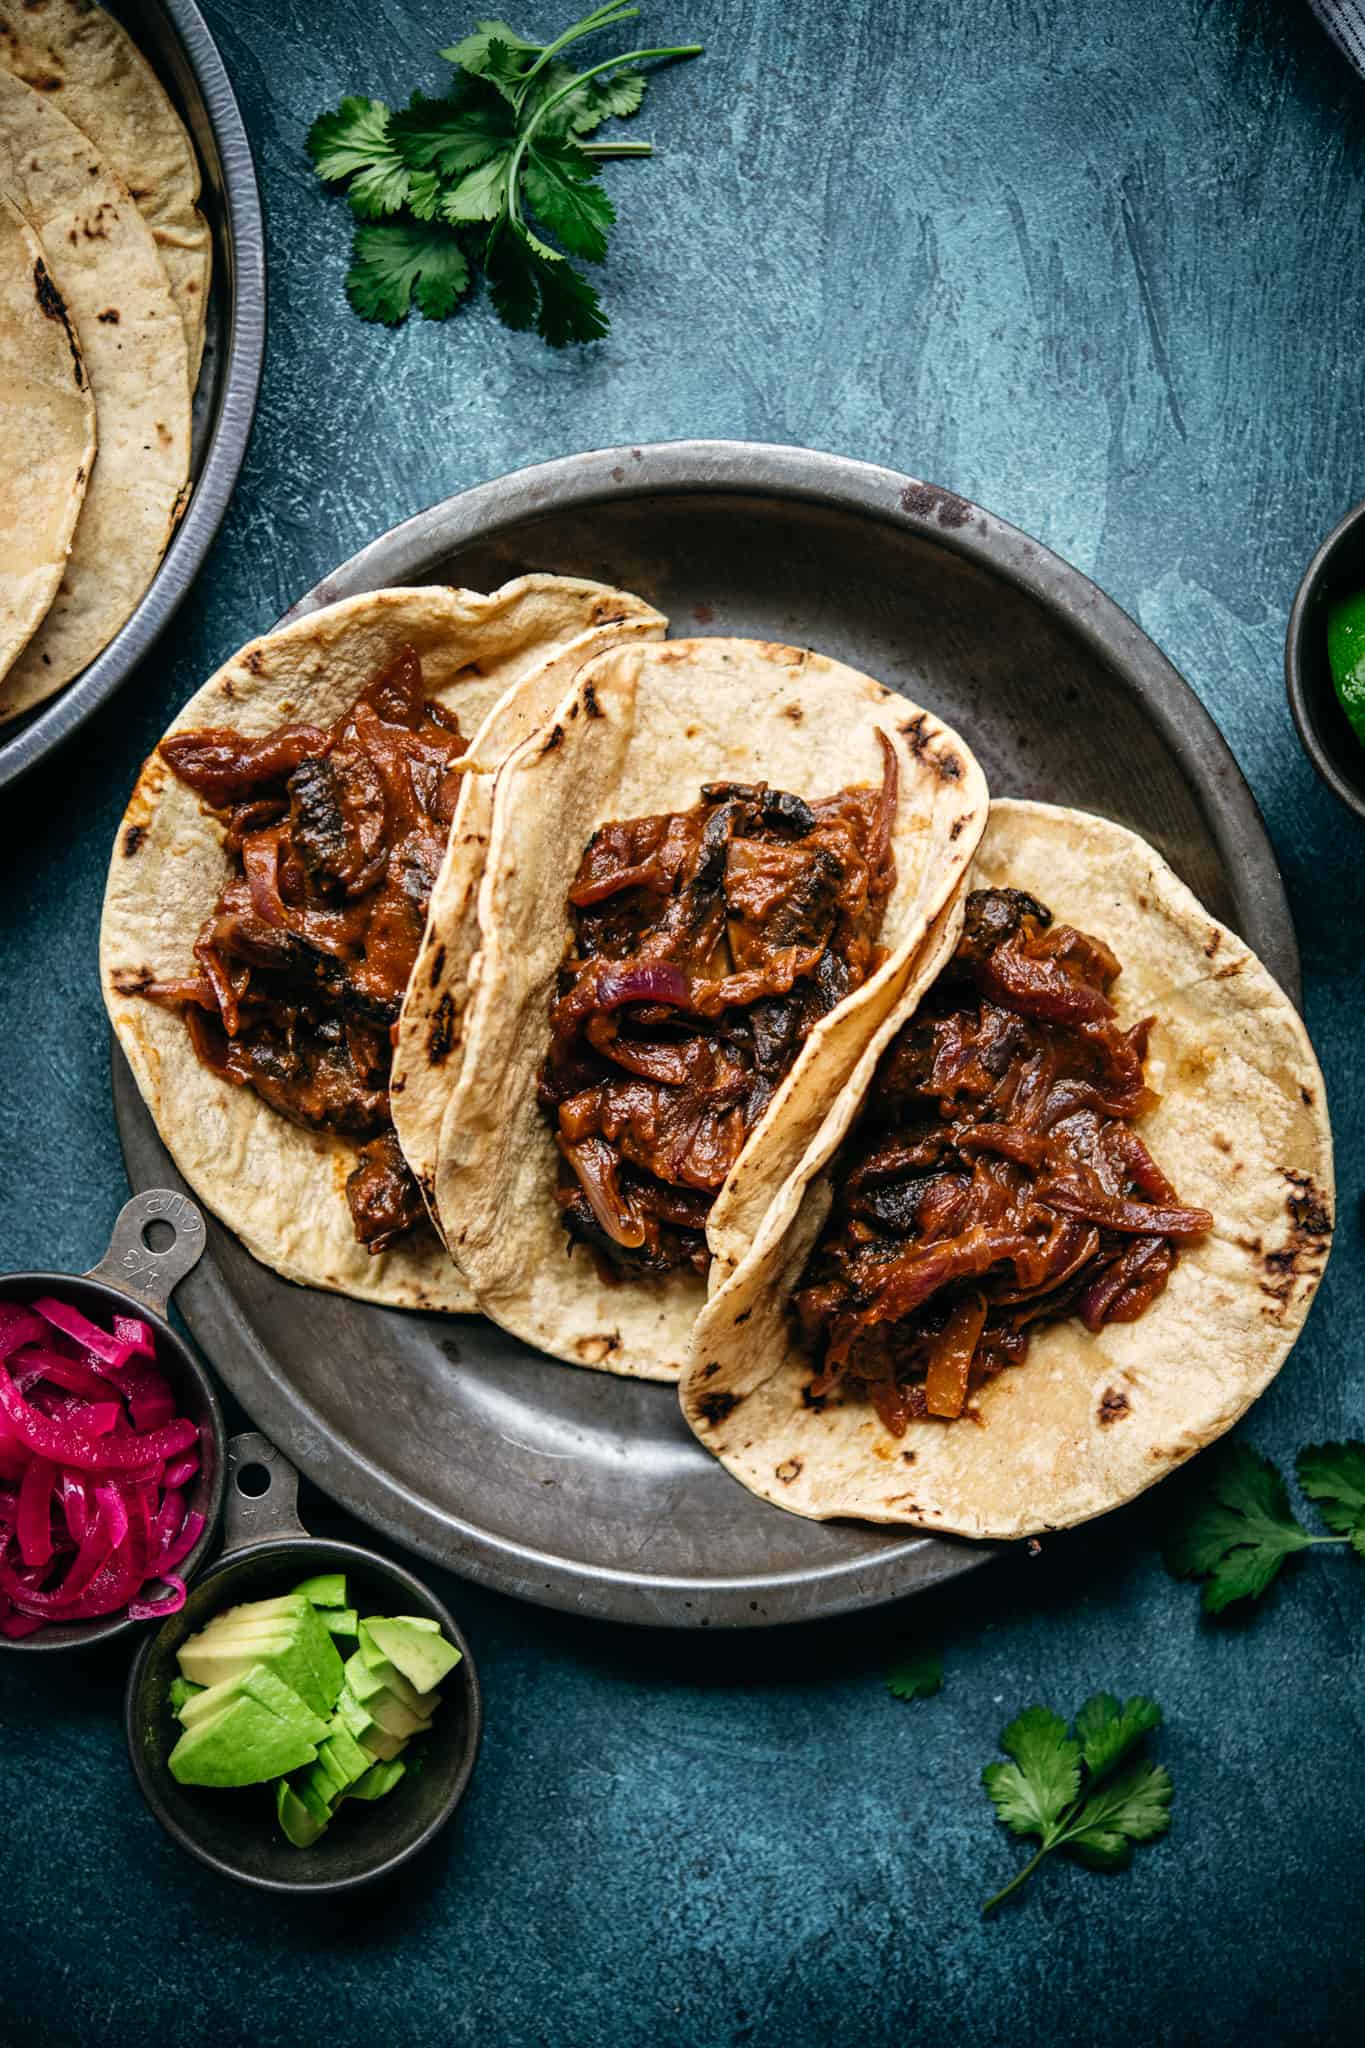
point(353, 138)
point(1108, 1731)
point(474, 53)
point(913, 1674)
point(398, 262)
point(1092, 1794)
point(1333, 1475)
point(451, 136)
point(561, 189)
point(533, 285)
point(1032, 1793)
point(590, 102)
point(481, 194)
point(1132, 1806)
point(1237, 1532)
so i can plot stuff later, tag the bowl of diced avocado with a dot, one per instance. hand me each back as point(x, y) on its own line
point(310, 1719)
point(1324, 660)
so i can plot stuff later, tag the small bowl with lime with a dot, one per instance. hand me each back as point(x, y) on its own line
point(1324, 660)
point(310, 1719)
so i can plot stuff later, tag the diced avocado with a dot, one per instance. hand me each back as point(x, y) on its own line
point(243, 1745)
point(327, 1764)
point(379, 1743)
point(360, 1678)
point(373, 1652)
point(396, 1719)
point(298, 1824)
point(340, 1621)
point(356, 1719)
point(423, 1704)
point(328, 1589)
point(260, 1683)
point(342, 1748)
point(316, 1804)
point(297, 1647)
point(181, 1691)
point(379, 1779)
point(422, 1654)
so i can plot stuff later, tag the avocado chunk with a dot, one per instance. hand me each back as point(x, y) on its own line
point(396, 1719)
point(354, 1718)
point(379, 1743)
point(243, 1744)
point(340, 1621)
point(328, 1589)
point(379, 1779)
point(297, 1823)
point(288, 1637)
point(180, 1691)
point(345, 1749)
point(328, 1775)
point(310, 1800)
point(423, 1704)
point(260, 1683)
point(422, 1654)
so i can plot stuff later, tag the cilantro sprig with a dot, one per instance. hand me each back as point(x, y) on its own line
point(486, 172)
point(1236, 1530)
point(1092, 1793)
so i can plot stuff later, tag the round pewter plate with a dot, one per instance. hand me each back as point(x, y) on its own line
point(572, 1488)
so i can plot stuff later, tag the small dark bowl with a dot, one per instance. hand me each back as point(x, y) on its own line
point(151, 1274)
point(1336, 570)
point(235, 1831)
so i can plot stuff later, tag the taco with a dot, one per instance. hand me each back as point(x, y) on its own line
point(707, 883)
point(268, 893)
point(1060, 1229)
point(47, 434)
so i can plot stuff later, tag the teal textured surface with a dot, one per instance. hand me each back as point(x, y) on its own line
point(1097, 267)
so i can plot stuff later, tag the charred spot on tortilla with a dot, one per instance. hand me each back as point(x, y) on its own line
point(715, 1407)
point(592, 1350)
point(794, 712)
point(132, 981)
point(810, 1399)
point(788, 1470)
point(333, 839)
point(109, 317)
point(590, 703)
point(710, 1369)
point(1309, 1213)
point(994, 1180)
point(553, 739)
point(253, 661)
point(438, 966)
point(441, 1032)
point(1212, 943)
point(132, 839)
point(743, 1317)
point(1114, 1403)
point(706, 945)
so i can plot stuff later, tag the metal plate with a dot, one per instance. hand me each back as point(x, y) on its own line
point(172, 36)
point(572, 1488)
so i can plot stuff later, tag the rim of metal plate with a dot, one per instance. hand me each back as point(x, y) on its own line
point(240, 250)
point(782, 474)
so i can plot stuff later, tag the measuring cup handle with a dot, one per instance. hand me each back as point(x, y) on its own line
point(132, 1264)
point(268, 1511)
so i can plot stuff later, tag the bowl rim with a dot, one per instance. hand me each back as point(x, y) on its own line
point(1350, 793)
point(372, 1560)
point(243, 360)
point(46, 1642)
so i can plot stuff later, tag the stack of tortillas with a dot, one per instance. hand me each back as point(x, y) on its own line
point(104, 277)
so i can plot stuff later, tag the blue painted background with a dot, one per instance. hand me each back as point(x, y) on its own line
point(1099, 266)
